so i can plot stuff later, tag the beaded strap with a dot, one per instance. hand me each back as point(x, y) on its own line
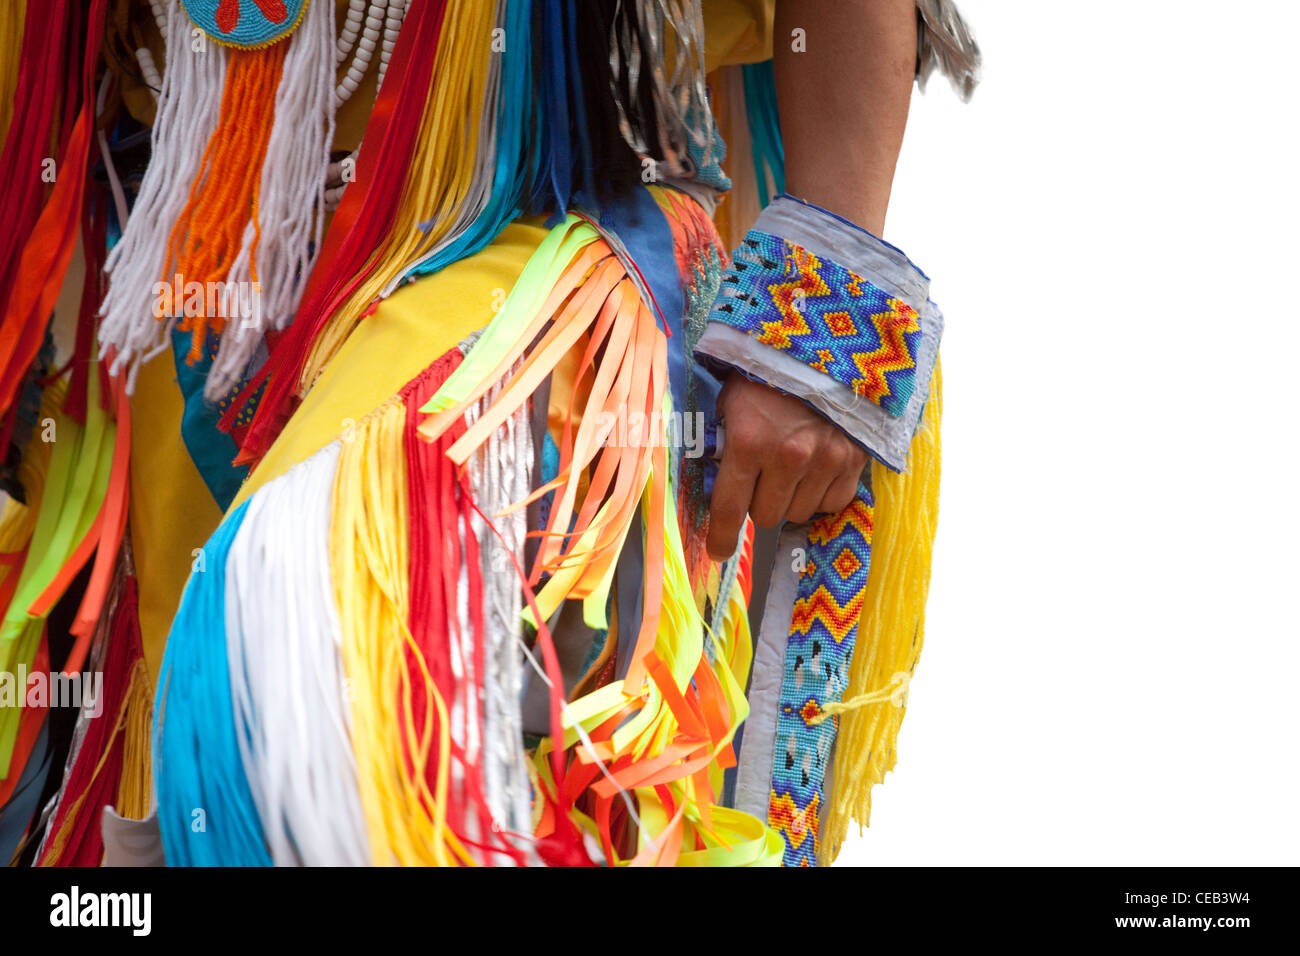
point(825, 316)
point(823, 631)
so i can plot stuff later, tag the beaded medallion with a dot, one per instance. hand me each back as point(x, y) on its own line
point(246, 24)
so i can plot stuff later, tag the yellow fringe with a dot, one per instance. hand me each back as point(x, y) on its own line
point(442, 170)
point(405, 821)
point(12, 14)
point(133, 788)
point(891, 632)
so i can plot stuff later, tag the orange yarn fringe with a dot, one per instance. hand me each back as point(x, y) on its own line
point(223, 200)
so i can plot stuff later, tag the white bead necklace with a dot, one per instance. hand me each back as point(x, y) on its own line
point(367, 26)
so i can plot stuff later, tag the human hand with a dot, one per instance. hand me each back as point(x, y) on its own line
point(781, 461)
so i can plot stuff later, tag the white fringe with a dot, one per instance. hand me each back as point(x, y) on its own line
point(286, 672)
point(291, 202)
point(188, 107)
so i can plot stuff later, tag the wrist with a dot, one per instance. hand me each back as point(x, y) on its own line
point(866, 210)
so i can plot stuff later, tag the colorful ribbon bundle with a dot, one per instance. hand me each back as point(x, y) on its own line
point(413, 647)
point(435, 296)
point(68, 429)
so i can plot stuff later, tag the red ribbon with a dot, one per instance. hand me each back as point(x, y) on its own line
point(361, 222)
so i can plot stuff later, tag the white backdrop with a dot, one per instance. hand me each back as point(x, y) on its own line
point(1111, 661)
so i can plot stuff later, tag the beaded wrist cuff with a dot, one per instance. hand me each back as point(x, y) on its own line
point(825, 315)
point(819, 308)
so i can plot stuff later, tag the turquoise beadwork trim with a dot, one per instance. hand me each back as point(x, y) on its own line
point(823, 630)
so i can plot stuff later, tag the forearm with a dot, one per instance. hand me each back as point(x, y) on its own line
point(843, 100)
point(813, 395)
